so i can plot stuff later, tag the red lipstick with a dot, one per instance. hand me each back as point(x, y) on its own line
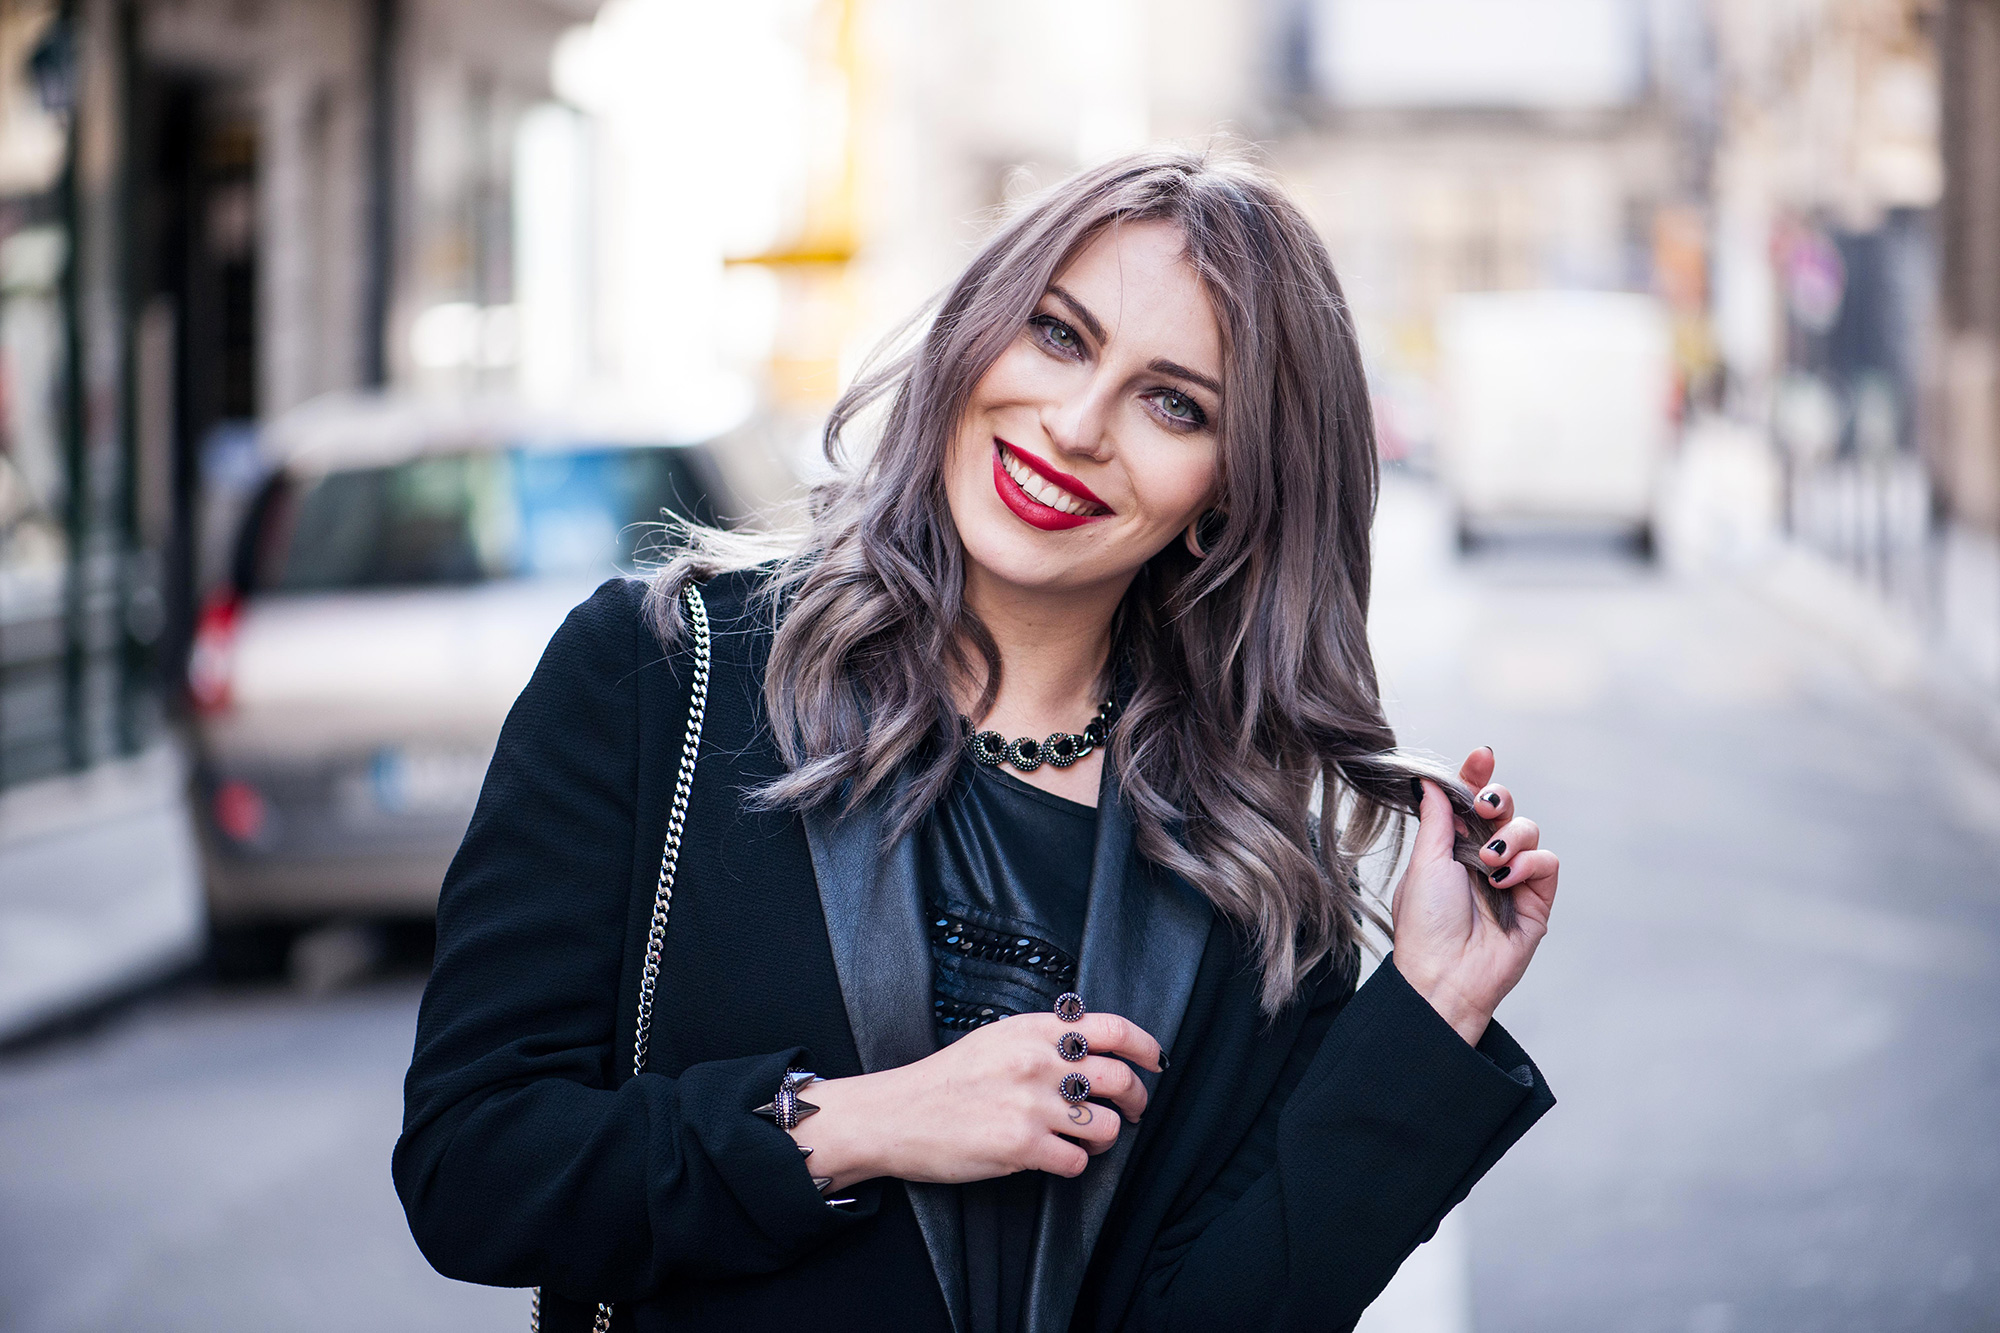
point(1062, 479)
point(1026, 507)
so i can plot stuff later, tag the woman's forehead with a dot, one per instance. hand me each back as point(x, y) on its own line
point(1135, 281)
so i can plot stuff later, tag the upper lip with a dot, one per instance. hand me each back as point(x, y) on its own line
point(1056, 475)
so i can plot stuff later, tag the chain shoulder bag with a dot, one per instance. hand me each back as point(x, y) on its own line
point(663, 893)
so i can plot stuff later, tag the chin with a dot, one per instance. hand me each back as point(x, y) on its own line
point(1027, 558)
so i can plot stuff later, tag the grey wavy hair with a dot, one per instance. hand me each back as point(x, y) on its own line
point(1252, 705)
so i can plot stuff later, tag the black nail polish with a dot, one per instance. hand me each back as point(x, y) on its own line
point(1501, 873)
point(1163, 1062)
point(1417, 791)
point(1492, 799)
point(1498, 846)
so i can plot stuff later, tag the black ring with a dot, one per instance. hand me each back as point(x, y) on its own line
point(1074, 1088)
point(1069, 1006)
point(1072, 1047)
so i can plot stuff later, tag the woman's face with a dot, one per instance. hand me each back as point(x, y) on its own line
point(1091, 443)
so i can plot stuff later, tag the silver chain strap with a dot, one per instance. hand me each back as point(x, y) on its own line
point(663, 893)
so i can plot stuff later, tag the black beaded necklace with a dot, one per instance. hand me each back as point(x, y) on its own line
point(1061, 748)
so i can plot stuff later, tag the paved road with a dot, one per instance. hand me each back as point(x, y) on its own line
point(1767, 1006)
point(219, 1160)
point(1768, 1012)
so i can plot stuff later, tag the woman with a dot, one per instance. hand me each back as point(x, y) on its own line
point(1121, 499)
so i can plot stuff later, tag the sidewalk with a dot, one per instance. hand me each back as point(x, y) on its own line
point(1933, 643)
point(1897, 655)
point(100, 887)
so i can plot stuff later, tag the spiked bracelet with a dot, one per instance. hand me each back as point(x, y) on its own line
point(787, 1108)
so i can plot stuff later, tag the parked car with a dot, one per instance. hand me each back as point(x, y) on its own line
point(1557, 410)
point(394, 581)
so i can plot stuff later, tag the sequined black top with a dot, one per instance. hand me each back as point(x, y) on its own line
point(1006, 870)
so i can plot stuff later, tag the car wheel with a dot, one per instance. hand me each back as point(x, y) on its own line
point(250, 951)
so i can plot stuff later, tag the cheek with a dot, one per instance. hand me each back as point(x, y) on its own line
point(997, 387)
point(1176, 483)
point(1022, 374)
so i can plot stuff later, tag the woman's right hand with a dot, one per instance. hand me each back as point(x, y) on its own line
point(987, 1105)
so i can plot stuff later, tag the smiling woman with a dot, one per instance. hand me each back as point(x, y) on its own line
point(1114, 536)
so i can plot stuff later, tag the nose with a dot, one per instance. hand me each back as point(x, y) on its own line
point(1079, 422)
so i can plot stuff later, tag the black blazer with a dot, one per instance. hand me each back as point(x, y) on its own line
point(1282, 1172)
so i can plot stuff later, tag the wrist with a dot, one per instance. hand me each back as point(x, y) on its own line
point(841, 1149)
point(1465, 1018)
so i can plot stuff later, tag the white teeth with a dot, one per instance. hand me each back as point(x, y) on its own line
point(1042, 489)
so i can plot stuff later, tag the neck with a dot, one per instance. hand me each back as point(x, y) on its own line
point(1053, 647)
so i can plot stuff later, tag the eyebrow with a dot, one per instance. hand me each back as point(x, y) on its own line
point(1080, 310)
point(1096, 331)
point(1175, 368)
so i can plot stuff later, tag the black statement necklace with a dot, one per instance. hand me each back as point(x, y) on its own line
point(1061, 748)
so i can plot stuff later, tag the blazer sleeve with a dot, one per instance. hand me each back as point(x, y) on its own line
point(1386, 1129)
point(527, 1157)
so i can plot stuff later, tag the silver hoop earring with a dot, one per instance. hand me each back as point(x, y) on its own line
point(1207, 524)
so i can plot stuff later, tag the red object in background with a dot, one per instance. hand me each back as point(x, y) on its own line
point(240, 811)
point(212, 659)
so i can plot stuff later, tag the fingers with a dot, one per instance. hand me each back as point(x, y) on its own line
point(1477, 770)
point(1510, 840)
point(1109, 1034)
point(1434, 826)
point(1534, 875)
point(1522, 869)
point(1113, 1081)
point(1058, 1156)
point(1494, 802)
point(1092, 1126)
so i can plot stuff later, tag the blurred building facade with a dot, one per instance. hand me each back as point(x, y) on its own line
point(1968, 36)
point(210, 212)
point(215, 210)
point(1825, 227)
point(1449, 147)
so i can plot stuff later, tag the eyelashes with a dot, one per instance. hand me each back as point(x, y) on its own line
point(1052, 333)
point(1190, 413)
point(1176, 410)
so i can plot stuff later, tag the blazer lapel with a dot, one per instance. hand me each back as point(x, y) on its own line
point(1143, 936)
point(873, 904)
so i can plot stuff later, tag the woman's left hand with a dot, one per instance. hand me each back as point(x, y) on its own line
point(1447, 944)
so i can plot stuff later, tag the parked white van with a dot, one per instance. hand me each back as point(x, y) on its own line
point(1557, 410)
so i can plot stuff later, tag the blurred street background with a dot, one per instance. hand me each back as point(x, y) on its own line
point(345, 344)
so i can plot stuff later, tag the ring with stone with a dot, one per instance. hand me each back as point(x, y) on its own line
point(1074, 1088)
point(1072, 1047)
point(1069, 1006)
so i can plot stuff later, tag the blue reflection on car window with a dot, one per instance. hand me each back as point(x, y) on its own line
point(466, 518)
point(572, 508)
